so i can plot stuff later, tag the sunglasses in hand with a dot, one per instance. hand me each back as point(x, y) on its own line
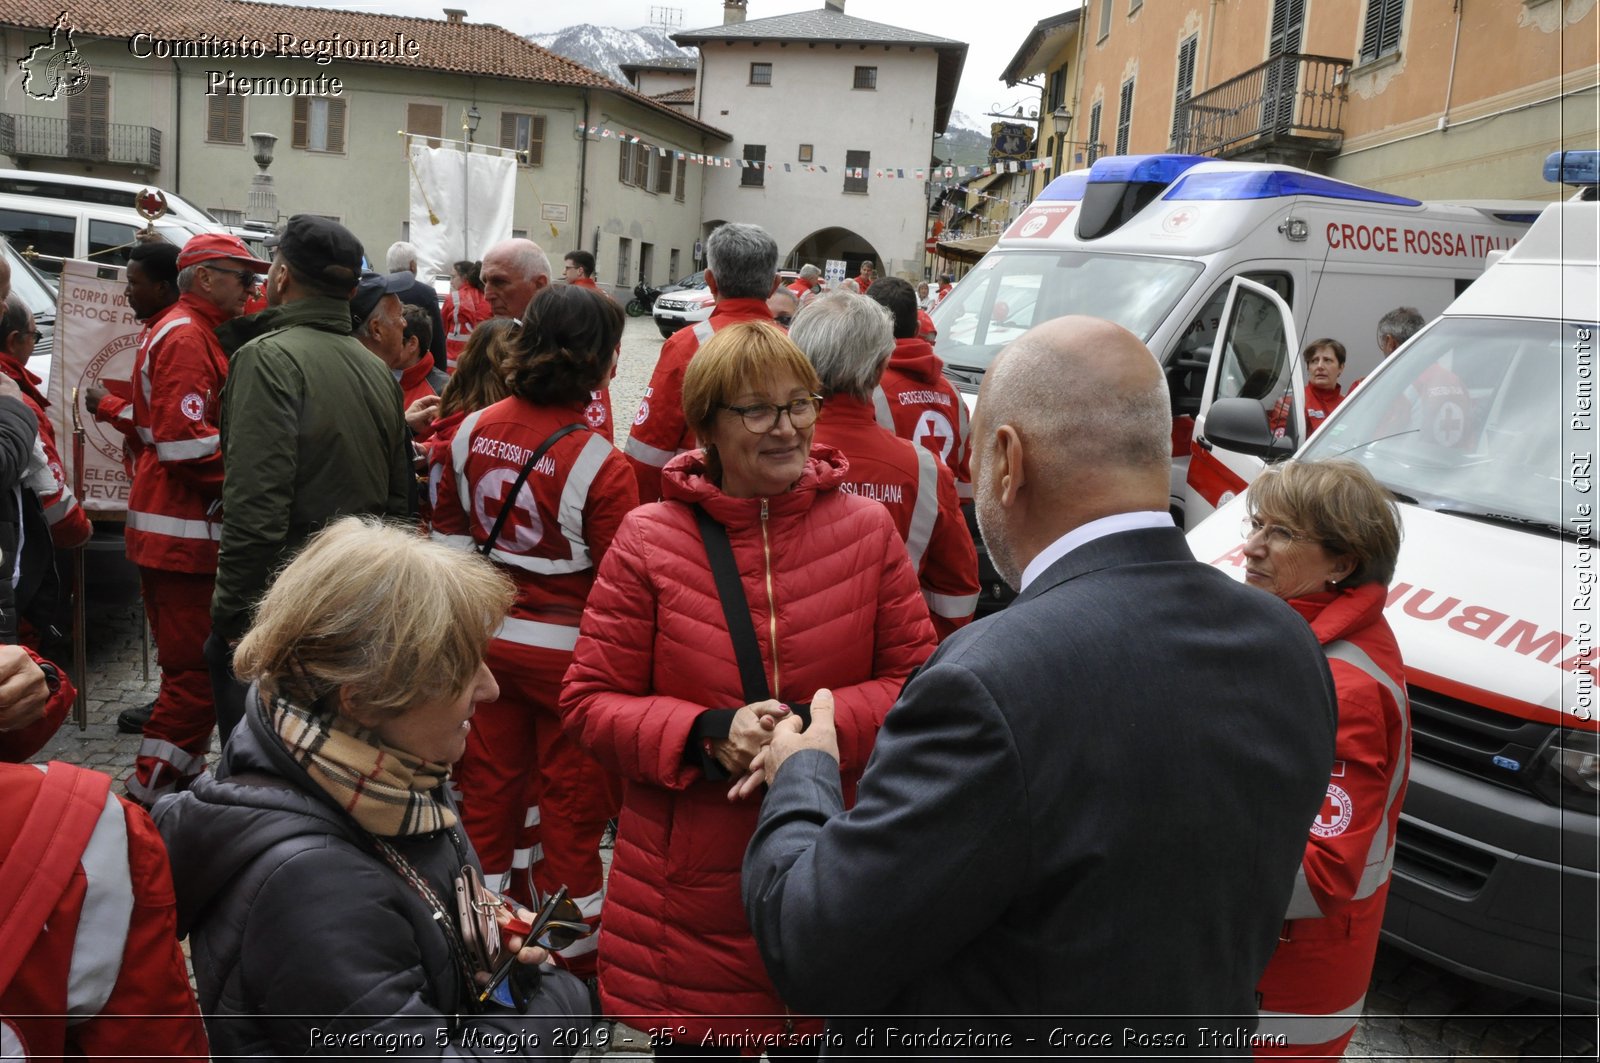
point(557, 924)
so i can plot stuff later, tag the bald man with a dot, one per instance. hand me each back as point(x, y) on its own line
point(513, 272)
point(1098, 797)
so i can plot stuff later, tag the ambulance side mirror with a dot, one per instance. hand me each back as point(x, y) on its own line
point(1240, 425)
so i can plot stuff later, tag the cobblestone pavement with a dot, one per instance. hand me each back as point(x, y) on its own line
point(1415, 1010)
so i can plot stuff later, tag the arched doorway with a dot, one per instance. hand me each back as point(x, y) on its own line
point(835, 243)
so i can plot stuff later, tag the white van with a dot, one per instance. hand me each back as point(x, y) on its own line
point(1484, 427)
point(61, 216)
point(1152, 242)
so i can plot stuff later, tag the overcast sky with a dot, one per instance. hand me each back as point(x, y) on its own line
point(991, 41)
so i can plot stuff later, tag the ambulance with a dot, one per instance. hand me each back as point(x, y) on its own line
point(1484, 426)
point(1154, 242)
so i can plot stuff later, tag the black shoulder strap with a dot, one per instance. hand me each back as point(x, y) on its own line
point(522, 478)
point(735, 607)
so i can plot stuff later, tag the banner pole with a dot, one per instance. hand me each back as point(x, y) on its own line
point(80, 655)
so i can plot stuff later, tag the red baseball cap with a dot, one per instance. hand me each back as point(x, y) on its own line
point(208, 246)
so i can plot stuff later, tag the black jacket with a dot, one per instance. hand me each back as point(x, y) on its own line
point(299, 930)
point(421, 294)
point(32, 588)
point(1092, 804)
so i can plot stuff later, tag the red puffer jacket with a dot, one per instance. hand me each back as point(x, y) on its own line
point(836, 606)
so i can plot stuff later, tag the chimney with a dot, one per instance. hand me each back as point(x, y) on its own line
point(833, 5)
point(733, 11)
point(455, 16)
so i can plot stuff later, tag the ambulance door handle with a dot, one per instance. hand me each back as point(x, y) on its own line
point(1205, 444)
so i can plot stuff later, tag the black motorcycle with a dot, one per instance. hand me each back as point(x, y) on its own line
point(644, 299)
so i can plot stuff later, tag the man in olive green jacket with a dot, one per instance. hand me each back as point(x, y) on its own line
point(311, 430)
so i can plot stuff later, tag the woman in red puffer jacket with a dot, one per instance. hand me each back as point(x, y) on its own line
point(655, 692)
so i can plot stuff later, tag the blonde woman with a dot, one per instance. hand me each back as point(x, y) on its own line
point(316, 870)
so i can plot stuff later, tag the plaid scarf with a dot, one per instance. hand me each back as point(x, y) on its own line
point(388, 792)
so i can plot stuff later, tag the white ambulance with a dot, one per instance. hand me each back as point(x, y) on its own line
point(1153, 243)
point(1484, 427)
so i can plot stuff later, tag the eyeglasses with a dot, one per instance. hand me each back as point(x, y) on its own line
point(1277, 535)
point(35, 334)
point(783, 319)
point(763, 417)
point(246, 278)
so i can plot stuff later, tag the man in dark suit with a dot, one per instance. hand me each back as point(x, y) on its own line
point(422, 295)
point(1092, 804)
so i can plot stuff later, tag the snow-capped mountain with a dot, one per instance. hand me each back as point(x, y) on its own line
point(604, 49)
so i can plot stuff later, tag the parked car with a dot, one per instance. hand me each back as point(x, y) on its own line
point(687, 302)
point(37, 290)
point(90, 220)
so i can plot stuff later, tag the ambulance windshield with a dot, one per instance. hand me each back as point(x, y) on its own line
point(1470, 418)
point(1007, 294)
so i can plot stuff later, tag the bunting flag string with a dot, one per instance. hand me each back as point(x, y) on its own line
point(943, 178)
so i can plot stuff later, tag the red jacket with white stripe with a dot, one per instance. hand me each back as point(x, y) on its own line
point(174, 517)
point(659, 432)
point(834, 604)
point(564, 518)
point(1341, 889)
point(920, 493)
point(105, 978)
point(463, 310)
point(69, 525)
point(916, 401)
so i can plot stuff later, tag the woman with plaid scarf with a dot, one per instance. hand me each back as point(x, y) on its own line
point(317, 870)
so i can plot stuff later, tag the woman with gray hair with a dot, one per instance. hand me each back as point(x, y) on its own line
point(849, 341)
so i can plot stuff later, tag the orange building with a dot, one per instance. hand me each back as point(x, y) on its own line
point(1426, 98)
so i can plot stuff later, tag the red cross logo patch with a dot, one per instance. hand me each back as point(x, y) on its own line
point(1337, 811)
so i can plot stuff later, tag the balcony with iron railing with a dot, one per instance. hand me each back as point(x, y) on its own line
point(1289, 106)
point(33, 136)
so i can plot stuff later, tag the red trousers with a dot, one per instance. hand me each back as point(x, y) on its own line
point(179, 732)
point(533, 802)
point(1314, 987)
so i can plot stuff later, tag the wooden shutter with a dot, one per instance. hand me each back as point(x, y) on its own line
point(301, 122)
point(1124, 118)
point(624, 162)
point(225, 119)
point(1185, 89)
point(422, 119)
point(1380, 33)
point(88, 114)
point(663, 172)
point(641, 165)
point(535, 147)
point(336, 125)
point(682, 179)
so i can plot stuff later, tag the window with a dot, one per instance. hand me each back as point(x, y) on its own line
point(854, 162)
point(1124, 117)
point(1380, 34)
point(1185, 89)
point(677, 192)
point(760, 73)
point(641, 165)
point(663, 173)
point(319, 123)
point(1058, 89)
point(88, 120)
point(225, 119)
point(754, 176)
point(110, 242)
point(866, 77)
point(624, 162)
point(523, 133)
point(426, 120)
point(806, 152)
point(49, 234)
point(1094, 132)
point(1105, 20)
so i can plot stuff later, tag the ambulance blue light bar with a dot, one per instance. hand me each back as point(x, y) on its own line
point(1067, 187)
point(1143, 169)
point(1573, 168)
point(1271, 184)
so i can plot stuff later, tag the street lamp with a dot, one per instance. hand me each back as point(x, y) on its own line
point(1060, 120)
point(469, 125)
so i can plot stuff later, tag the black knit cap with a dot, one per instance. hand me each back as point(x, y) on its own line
point(321, 249)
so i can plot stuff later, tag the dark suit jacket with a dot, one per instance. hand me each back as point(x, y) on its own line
point(1093, 803)
point(421, 294)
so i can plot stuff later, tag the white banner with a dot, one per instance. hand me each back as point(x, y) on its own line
point(96, 334)
point(470, 195)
